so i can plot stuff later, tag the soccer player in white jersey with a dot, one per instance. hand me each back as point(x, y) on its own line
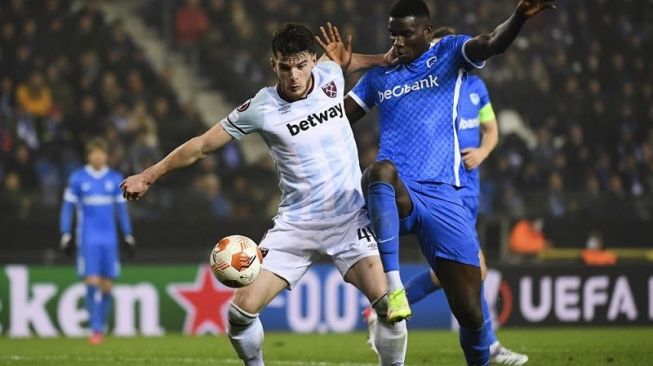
point(302, 121)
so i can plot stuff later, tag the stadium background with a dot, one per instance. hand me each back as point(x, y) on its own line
point(573, 100)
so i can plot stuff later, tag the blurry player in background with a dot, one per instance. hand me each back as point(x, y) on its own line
point(93, 192)
point(412, 187)
point(478, 135)
point(303, 122)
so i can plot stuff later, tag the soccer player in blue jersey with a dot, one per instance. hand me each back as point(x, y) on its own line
point(477, 135)
point(413, 186)
point(93, 192)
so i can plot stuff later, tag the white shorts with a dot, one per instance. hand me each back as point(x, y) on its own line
point(292, 246)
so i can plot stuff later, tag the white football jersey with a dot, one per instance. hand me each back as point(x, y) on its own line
point(312, 145)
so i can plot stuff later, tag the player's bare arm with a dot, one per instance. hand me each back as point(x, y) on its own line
point(353, 111)
point(485, 46)
point(135, 186)
point(340, 52)
point(473, 157)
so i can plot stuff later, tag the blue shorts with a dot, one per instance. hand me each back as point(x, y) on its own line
point(98, 260)
point(441, 223)
point(471, 205)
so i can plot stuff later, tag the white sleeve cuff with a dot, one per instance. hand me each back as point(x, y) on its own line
point(359, 101)
point(474, 64)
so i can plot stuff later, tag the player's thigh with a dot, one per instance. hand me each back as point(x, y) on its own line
point(109, 261)
point(89, 262)
point(471, 205)
point(290, 249)
point(367, 275)
point(350, 243)
point(444, 230)
point(257, 295)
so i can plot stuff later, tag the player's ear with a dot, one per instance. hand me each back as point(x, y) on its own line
point(428, 32)
point(273, 63)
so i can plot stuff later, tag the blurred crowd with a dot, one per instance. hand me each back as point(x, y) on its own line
point(66, 75)
point(573, 96)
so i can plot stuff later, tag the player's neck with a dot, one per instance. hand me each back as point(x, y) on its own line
point(96, 170)
point(309, 89)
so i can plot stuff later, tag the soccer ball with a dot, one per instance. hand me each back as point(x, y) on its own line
point(236, 261)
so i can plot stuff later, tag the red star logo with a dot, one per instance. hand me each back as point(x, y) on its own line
point(206, 302)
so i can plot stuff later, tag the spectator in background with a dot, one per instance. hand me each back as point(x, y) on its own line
point(15, 198)
point(22, 164)
point(191, 23)
point(527, 238)
point(211, 188)
point(595, 254)
point(34, 96)
point(7, 97)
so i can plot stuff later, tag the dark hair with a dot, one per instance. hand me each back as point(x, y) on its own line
point(97, 143)
point(407, 8)
point(292, 39)
point(443, 32)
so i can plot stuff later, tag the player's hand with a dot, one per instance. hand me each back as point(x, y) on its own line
point(130, 245)
point(528, 8)
point(65, 244)
point(334, 47)
point(134, 187)
point(390, 57)
point(473, 157)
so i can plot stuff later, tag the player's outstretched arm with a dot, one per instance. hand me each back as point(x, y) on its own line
point(135, 186)
point(485, 46)
point(340, 53)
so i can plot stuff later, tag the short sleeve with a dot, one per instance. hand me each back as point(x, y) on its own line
point(363, 93)
point(456, 45)
point(117, 192)
point(244, 119)
point(331, 68)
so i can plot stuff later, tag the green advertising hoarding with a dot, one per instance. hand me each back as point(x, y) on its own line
point(49, 301)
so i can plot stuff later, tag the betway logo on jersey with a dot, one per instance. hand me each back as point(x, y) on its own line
point(468, 124)
point(399, 90)
point(315, 119)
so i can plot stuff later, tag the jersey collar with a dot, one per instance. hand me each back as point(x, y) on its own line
point(97, 174)
point(310, 90)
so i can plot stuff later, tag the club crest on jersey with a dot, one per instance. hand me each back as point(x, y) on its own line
point(431, 61)
point(475, 98)
point(330, 90)
point(244, 106)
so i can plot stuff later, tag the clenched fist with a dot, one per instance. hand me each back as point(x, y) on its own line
point(134, 187)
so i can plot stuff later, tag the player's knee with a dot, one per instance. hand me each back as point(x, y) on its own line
point(238, 317)
point(92, 280)
point(247, 301)
point(435, 280)
point(382, 170)
point(470, 314)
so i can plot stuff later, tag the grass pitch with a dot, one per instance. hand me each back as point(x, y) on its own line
point(572, 346)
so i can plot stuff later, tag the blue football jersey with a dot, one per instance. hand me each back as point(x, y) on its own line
point(98, 202)
point(473, 98)
point(418, 105)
